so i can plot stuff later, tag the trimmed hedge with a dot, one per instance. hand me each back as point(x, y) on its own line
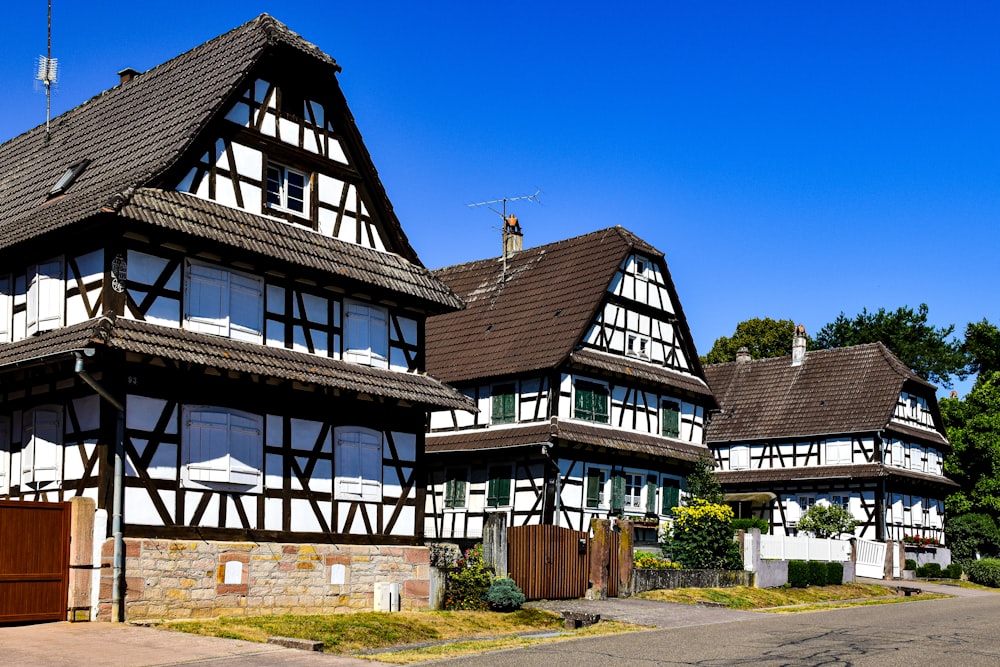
point(798, 573)
point(985, 572)
point(747, 524)
point(910, 564)
point(834, 573)
point(802, 573)
point(953, 571)
point(929, 571)
point(817, 572)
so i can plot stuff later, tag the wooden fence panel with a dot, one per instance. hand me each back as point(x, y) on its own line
point(34, 561)
point(548, 562)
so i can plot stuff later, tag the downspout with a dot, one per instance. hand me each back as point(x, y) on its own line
point(118, 488)
point(546, 447)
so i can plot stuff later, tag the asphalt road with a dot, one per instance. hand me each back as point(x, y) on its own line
point(958, 632)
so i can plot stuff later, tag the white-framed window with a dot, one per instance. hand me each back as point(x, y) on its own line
point(358, 460)
point(838, 452)
point(223, 302)
point(739, 457)
point(805, 502)
point(6, 308)
point(287, 189)
point(596, 487)
point(641, 266)
point(843, 501)
point(637, 346)
point(917, 458)
point(898, 454)
point(222, 446)
point(4, 455)
point(41, 444)
point(634, 483)
point(45, 296)
point(366, 334)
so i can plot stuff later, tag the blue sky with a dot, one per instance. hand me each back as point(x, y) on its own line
point(792, 160)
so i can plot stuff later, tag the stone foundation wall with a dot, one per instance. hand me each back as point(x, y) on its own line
point(651, 580)
point(170, 579)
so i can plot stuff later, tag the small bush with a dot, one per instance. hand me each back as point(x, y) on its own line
point(929, 571)
point(466, 588)
point(798, 573)
point(985, 572)
point(834, 574)
point(646, 560)
point(817, 573)
point(910, 564)
point(702, 537)
point(504, 595)
point(953, 571)
point(747, 525)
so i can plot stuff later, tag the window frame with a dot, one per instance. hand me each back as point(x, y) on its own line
point(634, 486)
point(365, 355)
point(247, 474)
point(501, 416)
point(743, 450)
point(227, 281)
point(583, 387)
point(282, 193)
point(838, 446)
point(370, 444)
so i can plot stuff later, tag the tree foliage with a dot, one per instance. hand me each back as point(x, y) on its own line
point(982, 345)
point(972, 534)
point(924, 348)
point(973, 426)
point(702, 483)
point(764, 337)
point(826, 521)
point(702, 537)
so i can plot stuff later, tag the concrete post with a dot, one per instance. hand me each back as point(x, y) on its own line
point(495, 543)
point(600, 559)
point(81, 558)
point(626, 564)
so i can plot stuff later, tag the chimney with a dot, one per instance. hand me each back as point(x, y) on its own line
point(743, 355)
point(799, 345)
point(127, 75)
point(513, 239)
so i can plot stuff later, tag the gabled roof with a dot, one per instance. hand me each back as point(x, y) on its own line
point(204, 350)
point(532, 317)
point(833, 392)
point(136, 132)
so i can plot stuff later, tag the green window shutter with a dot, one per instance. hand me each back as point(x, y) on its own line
point(497, 408)
point(503, 404)
point(593, 488)
point(651, 494)
point(454, 495)
point(498, 491)
point(617, 492)
point(503, 490)
point(584, 403)
point(671, 495)
point(508, 406)
point(600, 406)
point(671, 418)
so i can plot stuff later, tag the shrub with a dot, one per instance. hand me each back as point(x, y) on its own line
point(910, 564)
point(953, 571)
point(702, 537)
point(645, 560)
point(985, 572)
point(798, 573)
point(834, 574)
point(748, 524)
point(969, 534)
point(826, 521)
point(504, 595)
point(817, 572)
point(929, 571)
point(467, 586)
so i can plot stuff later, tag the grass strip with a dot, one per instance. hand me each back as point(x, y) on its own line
point(747, 598)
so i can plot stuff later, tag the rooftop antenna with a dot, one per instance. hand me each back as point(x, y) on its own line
point(510, 224)
point(46, 73)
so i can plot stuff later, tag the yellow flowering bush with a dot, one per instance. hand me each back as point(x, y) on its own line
point(645, 560)
point(702, 537)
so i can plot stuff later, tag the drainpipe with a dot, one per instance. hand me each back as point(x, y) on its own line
point(118, 488)
point(546, 449)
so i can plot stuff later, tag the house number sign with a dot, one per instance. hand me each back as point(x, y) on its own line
point(119, 273)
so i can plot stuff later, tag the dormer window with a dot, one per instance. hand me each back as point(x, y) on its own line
point(68, 178)
point(287, 189)
point(638, 346)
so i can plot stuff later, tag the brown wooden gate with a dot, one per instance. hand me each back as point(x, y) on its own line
point(548, 562)
point(34, 561)
point(614, 546)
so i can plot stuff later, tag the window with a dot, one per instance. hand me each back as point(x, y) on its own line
point(41, 444)
point(224, 303)
point(287, 189)
point(638, 346)
point(671, 495)
point(454, 492)
point(4, 455)
point(641, 268)
point(898, 459)
point(917, 458)
point(591, 402)
point(670, 419)
point(498, 490)
point(597, 478)
point(843, 501)
point(68, 178)
point(222, 446)
point(504, 401)
point(366, 334)
point(739, 457)
point(45, 296)
point(633, 490)
point(838, 452)
point(358, 459)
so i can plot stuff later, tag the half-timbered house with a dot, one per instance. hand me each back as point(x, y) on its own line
point(851, 426)
point(201, 270)
point(592, 402)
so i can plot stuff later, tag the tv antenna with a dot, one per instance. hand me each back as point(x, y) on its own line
point(510, 230)
point(47, 73)
point(504, 200)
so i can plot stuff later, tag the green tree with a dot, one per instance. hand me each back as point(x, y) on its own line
point(982, 345)
point(702, 484)
point(924, 348)
point(972, 534)
point(827, 521)
point(973, 426)
point(764, 337)
point(702, 537)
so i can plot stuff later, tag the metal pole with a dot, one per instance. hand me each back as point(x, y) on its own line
point(116, 521)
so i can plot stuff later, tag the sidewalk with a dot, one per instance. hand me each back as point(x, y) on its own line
point(927, 587)
point(647, 612)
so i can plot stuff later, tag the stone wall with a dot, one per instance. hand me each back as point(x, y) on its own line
point(170, 579)
point(651, 580)
point(925, 555)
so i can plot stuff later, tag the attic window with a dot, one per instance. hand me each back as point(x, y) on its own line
point(68, 178)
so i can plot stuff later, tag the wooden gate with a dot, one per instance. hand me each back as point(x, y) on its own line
point(34, 561)
point(614, 547)
point(548, 562)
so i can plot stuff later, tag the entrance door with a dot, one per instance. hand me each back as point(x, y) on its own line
point(34, 561)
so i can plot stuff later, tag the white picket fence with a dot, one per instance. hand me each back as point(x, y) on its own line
point(782, 547)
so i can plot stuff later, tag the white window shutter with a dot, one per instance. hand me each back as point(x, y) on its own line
point(206, 302)
point(359, 464)
point(45, 296)
point(208, 450)
point(348, 464)
point(6, 308)
point(378, 331)
point(41, 436)
point(371, 465)
point(356, 333)
point(246, 443)
point(246, 308)
point(4, 455)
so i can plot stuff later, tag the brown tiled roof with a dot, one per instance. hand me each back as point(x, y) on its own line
point(238, 228)
point(856, 471)
point(626, 367)
point(838, 391)
point(223, 353)
point(136, 132)
point(533, 316)
point(565, 431)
